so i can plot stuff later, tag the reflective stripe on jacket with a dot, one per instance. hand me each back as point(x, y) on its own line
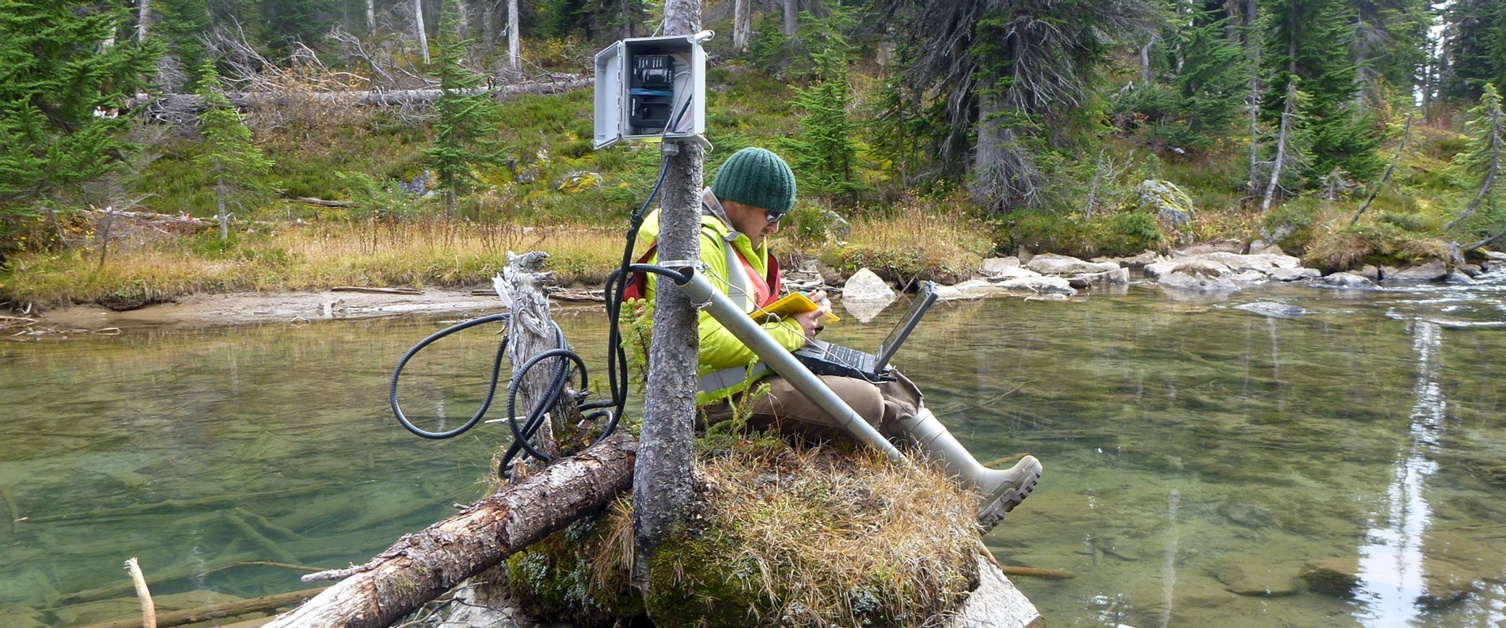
point(727, 366)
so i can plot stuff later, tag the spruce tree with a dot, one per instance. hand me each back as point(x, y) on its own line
point(1308, 44)
point(824, 154)
point(1211, 81)
point(466, 115)
point(234, 163)
point(62, 84)
point(1481, 158)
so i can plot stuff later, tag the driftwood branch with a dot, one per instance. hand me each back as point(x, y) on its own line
point(420, 567)
point(218, 611)
point(148, 609)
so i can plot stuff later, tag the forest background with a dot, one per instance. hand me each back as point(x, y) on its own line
point(156, 148)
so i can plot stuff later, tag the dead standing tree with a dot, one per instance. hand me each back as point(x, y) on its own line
point(662, 477)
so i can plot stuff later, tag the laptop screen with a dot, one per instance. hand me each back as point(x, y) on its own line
point(906, 324)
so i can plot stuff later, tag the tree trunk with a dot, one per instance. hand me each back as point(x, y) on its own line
point(791, 9)
point(421, 566)
point(219, 195)
point(1004, 175)
point(370, 16)
point(662, 479)
point(1145, 59)
point(418, 23)
point(531, 331)
point(1490, 175)
point(742, 24)
point(488, 25)
point(514, 52)
point(141, 22)
point(461, 19)
point(1281, 144)
point(1406, 134)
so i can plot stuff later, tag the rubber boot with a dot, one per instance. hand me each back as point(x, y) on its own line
point(1002, 490)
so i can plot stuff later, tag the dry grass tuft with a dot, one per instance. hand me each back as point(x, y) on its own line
point(777, 536)
point(926, 242)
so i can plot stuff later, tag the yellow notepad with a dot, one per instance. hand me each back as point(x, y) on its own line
point(792, 303)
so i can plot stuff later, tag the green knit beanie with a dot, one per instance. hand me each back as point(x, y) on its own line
point(756, 177)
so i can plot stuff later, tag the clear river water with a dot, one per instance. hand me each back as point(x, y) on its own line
point(1197, 456)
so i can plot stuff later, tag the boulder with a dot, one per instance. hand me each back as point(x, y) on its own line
point(1369, 271)
point(1261, 246)
point(995, 265)
point(1017, 272)
point(864, 285)
point(1188, 265)
point(1294, 274)
point(577, 182)
point(1336, 576)
point(1039, 285)
point(1429, 271)
point(1272, 310)
point(1050, 264)
point(1222, 246)
point(996, 603)
point(837, 227)
point(1348, 281)
point(1262, 262)
point(1116, 277)
point(1193, 282)
point(970, 289)
point(1138, 261)
point(1167, 201)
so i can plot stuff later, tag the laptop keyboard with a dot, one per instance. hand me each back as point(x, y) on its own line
point(845, 355)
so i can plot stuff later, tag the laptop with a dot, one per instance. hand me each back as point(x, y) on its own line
point(825, 358)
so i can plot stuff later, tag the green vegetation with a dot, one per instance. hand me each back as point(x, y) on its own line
point(939, 149)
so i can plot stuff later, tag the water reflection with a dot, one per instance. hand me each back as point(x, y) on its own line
point(1391, 570)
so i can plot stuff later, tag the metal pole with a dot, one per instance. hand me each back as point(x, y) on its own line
point(700, 291)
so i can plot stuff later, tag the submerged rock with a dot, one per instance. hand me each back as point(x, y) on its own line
point(1348, 281)
point(1273, 310)
point(1336, 576)
point(1250, 575)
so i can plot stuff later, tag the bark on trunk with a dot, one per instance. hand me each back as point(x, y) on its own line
point(662, 480)
point(141, 21)
point(742, 24)
point(1281, 145)
point(514, 51)
point(370, 16)
point(531, 331)
point(418, 23)
point(219, 195)
point(421, 566)
point(790, 13)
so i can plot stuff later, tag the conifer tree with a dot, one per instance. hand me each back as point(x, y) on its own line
point(823, 155)
point(61, 87)
point(466, 117)
point(1481, 158)
point(1211, 80)
point(1308, 44)
point(230, 158)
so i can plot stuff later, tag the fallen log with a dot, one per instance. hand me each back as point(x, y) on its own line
point(172, 106)
point(420, 567)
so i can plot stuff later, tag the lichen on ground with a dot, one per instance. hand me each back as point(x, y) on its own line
point(777, 535)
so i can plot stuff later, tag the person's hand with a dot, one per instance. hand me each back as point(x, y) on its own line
point(810, 321)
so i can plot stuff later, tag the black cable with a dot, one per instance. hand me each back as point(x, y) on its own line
point(491, 389)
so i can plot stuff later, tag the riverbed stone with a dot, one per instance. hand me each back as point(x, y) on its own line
point(21, 617)
point(1254, 576)
point(1116, 277)
point(996, 265)
point(1335, 575)
point(1192, 282)
point(1263, 262)
point(1259, 246)
point(1272, 310)
point(1427, 271)
point(1040, 285)
point(1294, 274)
point(1063, 265)
point(995, 603)
point(1134, 262)
point(1348, 281)
point(864, 285)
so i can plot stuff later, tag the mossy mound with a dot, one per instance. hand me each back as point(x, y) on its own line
point(777, 536)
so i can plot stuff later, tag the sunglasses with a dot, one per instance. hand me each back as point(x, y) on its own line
point(773, 217)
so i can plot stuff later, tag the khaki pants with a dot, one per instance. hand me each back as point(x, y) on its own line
point(887, 406)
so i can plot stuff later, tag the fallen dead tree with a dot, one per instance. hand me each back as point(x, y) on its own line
point(173, 106)
point(420, 567)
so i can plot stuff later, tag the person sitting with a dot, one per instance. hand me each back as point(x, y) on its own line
point(749, 196)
